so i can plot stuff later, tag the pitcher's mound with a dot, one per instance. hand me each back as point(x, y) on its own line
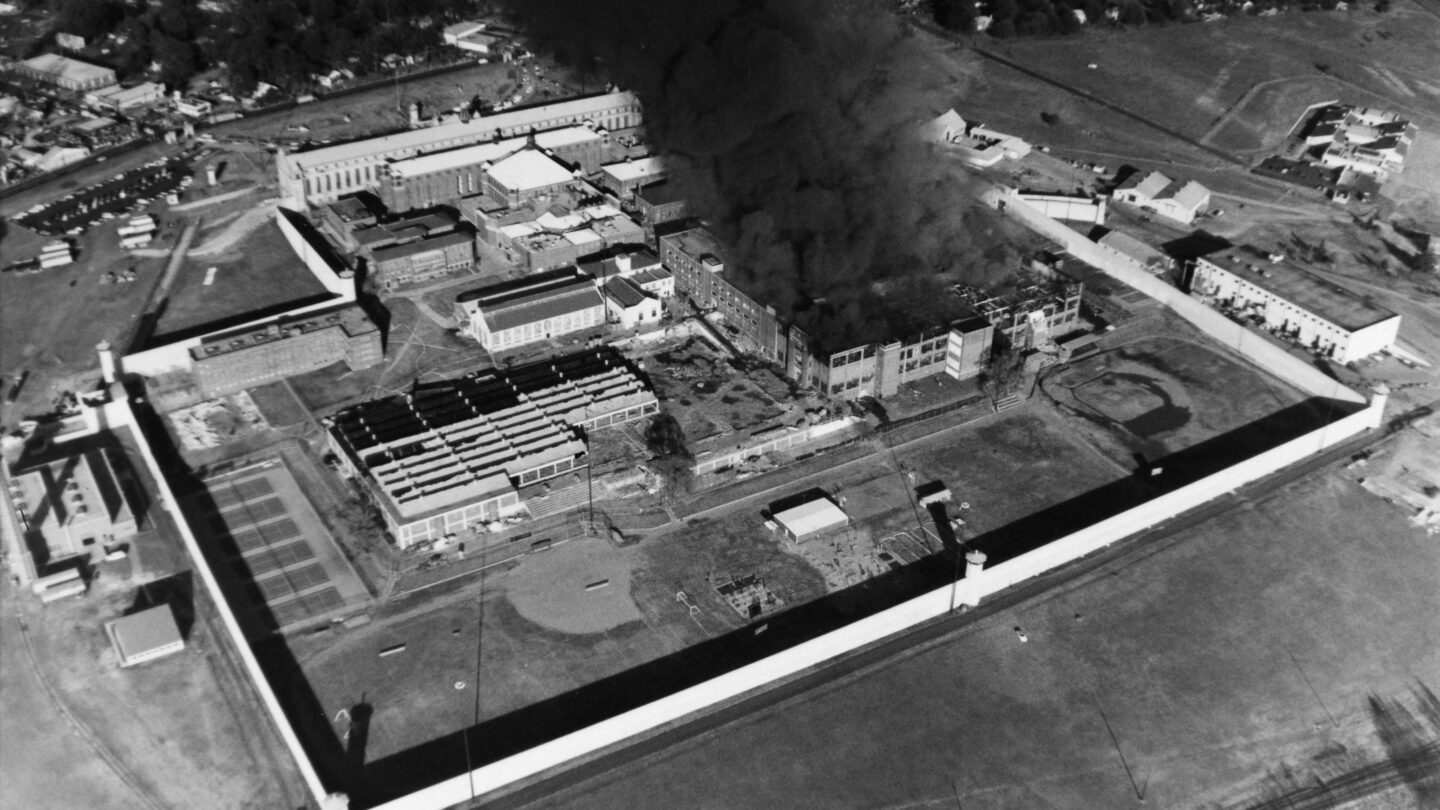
point(580, 587)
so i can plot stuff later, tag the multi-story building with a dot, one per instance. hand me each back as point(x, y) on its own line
point(423, 259)
point(449, 455)
point(1032, 314)
point(72, 507)
point(227, 362)
point(323, 175)
point(439, 177)
point(1322, 317)
point(624, 179)
point(65, 73)
point(659, 204)
point(697, 259)
point(873, 368)
point(529, 310)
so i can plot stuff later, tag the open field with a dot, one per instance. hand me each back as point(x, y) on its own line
point(1237, 661)
point(1250, 77)
point(260, 274)
point(51, 321)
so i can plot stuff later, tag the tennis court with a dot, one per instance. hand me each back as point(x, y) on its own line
point(283, 559)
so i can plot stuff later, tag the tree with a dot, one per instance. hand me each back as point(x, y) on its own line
point(672, 462)
point(89, 18)
point(955, 15)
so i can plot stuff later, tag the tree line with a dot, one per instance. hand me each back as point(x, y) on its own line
point(280, 42)
point(1011, 18)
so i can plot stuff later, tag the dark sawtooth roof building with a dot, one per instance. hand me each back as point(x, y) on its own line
point(455, 453)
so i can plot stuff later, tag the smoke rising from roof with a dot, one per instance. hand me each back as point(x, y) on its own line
point(799, 119)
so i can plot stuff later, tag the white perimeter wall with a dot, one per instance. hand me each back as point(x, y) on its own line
point(1252, 346)
point(875, 628)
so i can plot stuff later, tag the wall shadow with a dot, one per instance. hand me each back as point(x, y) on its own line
point(453, 754)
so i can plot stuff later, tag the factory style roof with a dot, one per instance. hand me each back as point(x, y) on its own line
point(418, 140)
point(447, 443)
point(529, 169)
point(63, 67)
point(1303, 289)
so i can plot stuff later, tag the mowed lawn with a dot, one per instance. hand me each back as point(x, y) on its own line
point(1255, 641)
point(261, 274)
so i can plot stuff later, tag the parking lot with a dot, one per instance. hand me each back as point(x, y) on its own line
point(129, 192)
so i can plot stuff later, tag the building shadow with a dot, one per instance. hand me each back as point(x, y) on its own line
point(177, 591)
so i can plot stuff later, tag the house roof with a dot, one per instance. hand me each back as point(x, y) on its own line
point(146, 631)
point(529, 169)
point(812, 516)
point(1189, 194)
point(1145, 184)
point(623, 291)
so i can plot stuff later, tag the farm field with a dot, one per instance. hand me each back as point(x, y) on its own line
point(1251, 657)
point(1248, 79)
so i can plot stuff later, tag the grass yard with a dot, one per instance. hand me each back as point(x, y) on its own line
point(1158, 395)
point(1239, 661)
point(261, 275)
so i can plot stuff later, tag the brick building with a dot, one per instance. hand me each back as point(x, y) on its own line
point(423, 259)
point(234, 361)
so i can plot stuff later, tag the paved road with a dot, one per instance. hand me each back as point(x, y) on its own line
point(1122, 555)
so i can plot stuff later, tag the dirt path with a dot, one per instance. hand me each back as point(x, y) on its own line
point(237, 230)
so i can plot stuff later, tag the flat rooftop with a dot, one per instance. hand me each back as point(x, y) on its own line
point(349, 317)
point(1302, 288)
point(454, 158)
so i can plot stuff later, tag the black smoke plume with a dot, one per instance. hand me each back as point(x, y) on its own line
point(800, 122)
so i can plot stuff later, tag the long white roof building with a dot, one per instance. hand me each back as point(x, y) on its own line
point(324, 175)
